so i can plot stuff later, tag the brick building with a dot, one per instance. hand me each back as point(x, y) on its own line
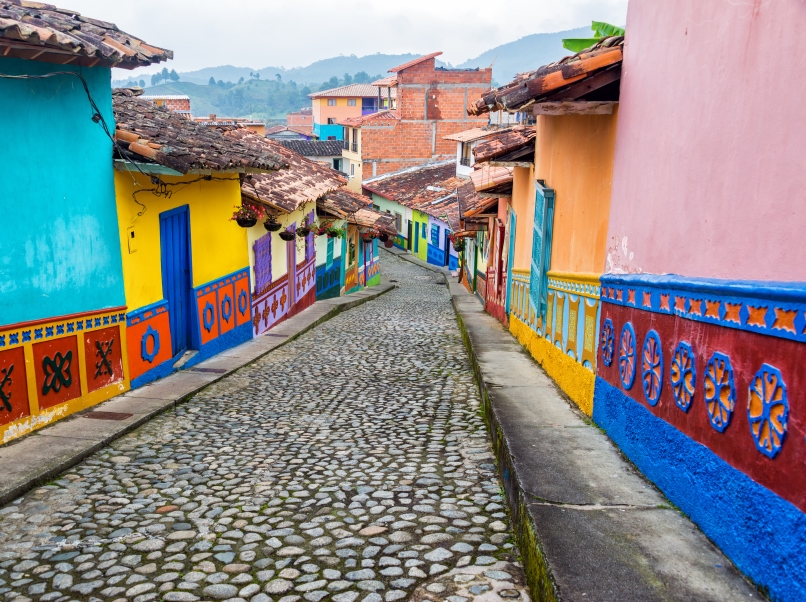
point(178, 103)
point(301, 120)
point(431, 104)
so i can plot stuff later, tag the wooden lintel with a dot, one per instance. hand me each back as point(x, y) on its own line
point(512, 163)
point(574, 107)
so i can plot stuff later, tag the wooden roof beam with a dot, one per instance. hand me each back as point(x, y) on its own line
point(574, 107)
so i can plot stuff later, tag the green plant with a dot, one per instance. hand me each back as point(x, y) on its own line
point(246, 212)
point(600, 30)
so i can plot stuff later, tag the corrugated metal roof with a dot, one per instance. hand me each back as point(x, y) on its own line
point(43, 32)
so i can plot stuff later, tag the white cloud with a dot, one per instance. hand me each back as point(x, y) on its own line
point(262, 33)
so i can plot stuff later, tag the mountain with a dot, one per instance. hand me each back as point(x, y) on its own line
point(525, 54)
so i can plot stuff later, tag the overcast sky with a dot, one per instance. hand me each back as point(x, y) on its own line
point(295, 33)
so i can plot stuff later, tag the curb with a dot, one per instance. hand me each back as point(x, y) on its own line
point(45, 443)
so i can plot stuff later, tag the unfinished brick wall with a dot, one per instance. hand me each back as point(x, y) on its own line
point(432, 103)
point(177, 104)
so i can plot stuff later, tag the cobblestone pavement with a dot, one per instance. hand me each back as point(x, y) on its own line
point(351, 464)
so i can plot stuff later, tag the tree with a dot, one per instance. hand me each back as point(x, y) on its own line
point(333, 82)
point(240, 81)
point(142, 83)
point(348, 79)
point(155, 79)
point(279, 77)
point(174, 75)
point(211, 82)
point(362, 77)
point(165, 75)
point(221, 83)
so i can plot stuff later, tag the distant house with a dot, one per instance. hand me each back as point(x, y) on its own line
point(255, 125)
point(323, 151)
point(332, 106)
point(178, 103)
point(301, 120)
point(286, 132)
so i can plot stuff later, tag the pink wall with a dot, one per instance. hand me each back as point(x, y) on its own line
point(710, 171)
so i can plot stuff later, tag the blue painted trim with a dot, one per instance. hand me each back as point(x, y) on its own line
point(137, 313)
point(763, 534)
point(161, 371)
point(782, 296)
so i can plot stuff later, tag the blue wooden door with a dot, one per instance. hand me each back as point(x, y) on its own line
point(176, 274)
point(510, 256)
point(416, 236)
point(541, 249)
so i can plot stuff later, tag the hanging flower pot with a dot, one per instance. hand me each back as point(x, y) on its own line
point(303, 231)
point(388, 243)
point(383, 237)
point(459, 245)
point(246, 216)
point(246, 222)
point(272, 225)
point(287, 235)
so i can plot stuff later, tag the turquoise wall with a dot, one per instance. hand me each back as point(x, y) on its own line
point(323, 130)
point(59, 249)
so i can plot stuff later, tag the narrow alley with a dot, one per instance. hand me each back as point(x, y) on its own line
point(350, 464)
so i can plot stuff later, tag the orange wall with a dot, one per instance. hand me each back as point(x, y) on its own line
point(321, 111)
point(575, 155)
point(523, 203)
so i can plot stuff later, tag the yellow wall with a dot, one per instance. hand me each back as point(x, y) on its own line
point(575, 155)
point(523, 203)
point(219, 245)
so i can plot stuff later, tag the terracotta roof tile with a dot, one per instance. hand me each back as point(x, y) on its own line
point(503, 143)
point(32, 30)
point(349, 91)
point(314, 148)
point(356, 209)
point(414, 62)
point(528, 88)
point(303, 182)
point(478, 133)
point(148, 133)
point(359, 121)
point(487, 176)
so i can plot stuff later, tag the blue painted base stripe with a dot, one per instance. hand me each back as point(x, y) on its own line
point(161, 371)
point(763, 534)
point(233, 338)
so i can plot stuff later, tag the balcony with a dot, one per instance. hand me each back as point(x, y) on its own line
point(346, 145)
point(354, 147)
point(465, 161)
point(368, 111)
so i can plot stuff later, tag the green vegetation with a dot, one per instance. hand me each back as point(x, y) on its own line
point(259, 98)
point(600, 31)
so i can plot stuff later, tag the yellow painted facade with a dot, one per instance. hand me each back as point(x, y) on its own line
point(218, 245)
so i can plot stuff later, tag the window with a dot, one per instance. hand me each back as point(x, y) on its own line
point(398, 222)
point(329, 252)
point(331, 137)
point(466, 152)
point(423, 231)
point(331, 102)
point(435, 235)
point(351, 102)
point(331, 121)
point(336, 166)
point(352, 169)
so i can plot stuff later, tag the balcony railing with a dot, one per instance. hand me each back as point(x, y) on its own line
point(346, 145)
point(354, 147)
point(465, 161)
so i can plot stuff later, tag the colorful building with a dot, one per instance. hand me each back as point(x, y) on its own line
point(331, 106)
point(185, 262)
point(322, 151)
point(301, 120)
point(63, 335)
point(178, 103)
point(650, 252)
point(423, 202)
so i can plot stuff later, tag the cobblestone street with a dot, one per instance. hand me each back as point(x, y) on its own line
point(351, 464)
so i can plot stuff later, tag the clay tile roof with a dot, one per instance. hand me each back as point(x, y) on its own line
point(414, 62)
point(36, 31)
point(503, 143)
point(487, 176)
point(303, 182)
point(349, 91)
point(386, 82)
point(148, 133)
point(301, 129)
point(541, 84)
point(431, 189)
point(355, 208)
point(314, 148)
point(357, 122)
point(478, 133)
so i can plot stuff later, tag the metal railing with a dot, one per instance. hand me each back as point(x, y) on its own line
point(354, 147)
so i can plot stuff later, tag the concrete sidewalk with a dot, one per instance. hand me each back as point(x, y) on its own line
point(589, 525)
point(44, 454)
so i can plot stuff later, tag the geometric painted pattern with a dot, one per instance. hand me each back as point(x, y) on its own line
point(608, 341)
point(627, 353)
point(720, 391)
point(768, 410)
point(652, 367)
point(683, 375)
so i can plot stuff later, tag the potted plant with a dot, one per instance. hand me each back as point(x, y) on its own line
point(334, 232)
point(271, 224)
point(383, 237)
point(304, 229)
point(322, 228)
point(368, 235)
point(246, 215)
point(287, 235)
point(389, 243)
point(458, 243)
